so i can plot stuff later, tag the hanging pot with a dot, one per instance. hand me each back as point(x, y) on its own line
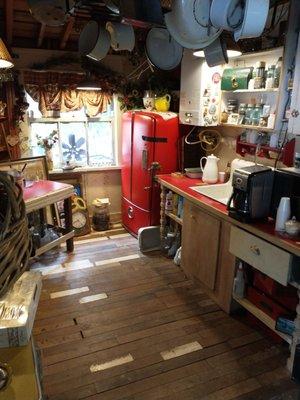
point(254, 21)
point(122, 36)
point(216, 53)
point(94, 41)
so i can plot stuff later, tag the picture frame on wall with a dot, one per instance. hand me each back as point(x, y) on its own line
point(35, 168)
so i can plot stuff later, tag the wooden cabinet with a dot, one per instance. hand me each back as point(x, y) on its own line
point(200, 237)
point(205, 253)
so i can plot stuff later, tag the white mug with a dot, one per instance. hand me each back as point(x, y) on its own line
point(283, 214)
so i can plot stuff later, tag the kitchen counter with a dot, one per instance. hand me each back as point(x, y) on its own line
point(265, 230)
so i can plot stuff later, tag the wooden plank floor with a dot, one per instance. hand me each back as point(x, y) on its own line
point(114, 324)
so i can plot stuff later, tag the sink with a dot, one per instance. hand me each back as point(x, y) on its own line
point(219, 192)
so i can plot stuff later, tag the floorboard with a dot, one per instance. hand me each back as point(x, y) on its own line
point(113, 323)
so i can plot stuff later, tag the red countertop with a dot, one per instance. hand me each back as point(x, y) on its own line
point(42, 188)
point(264, 229)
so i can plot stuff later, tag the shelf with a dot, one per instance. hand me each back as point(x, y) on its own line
point(274, 90)
point(253, 127)
point(174, 217)
point(56, 242)
point(263, 317)
point(254, 145)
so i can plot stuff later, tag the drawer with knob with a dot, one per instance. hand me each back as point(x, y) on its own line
point(262, 255)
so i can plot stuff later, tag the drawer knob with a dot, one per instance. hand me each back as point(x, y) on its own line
point(255, 250)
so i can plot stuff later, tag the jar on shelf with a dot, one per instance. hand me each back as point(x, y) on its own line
point(277, 73)
point(242, 113)
point(259, 80)
point(232, 106)
point(270, 81)
point(101, 218)
point(256, 114)
point(248, 115)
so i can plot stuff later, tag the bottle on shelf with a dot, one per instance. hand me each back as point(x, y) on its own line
point(277, 73)
point(239, 282)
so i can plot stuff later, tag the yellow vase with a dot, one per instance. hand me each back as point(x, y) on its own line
point(163, 103)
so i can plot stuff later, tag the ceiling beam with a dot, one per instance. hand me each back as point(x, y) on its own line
point(9, 19)
point(41, 35)
point(67, 33)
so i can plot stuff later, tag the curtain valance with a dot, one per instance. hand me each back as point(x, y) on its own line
point(56, 91)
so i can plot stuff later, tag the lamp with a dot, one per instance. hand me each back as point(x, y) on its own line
point(88, 84)
point(5, 58)
point(230, 53)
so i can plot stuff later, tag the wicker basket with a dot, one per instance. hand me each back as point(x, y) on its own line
point(15, 240)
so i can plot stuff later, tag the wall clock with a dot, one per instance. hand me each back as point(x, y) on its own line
point(81, 219)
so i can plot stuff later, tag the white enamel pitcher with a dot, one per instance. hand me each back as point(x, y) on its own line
point(210, 171)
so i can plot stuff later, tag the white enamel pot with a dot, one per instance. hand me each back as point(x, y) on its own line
point(94, 41)
point(122, 36)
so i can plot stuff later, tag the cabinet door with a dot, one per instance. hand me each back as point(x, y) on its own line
point(200, 244)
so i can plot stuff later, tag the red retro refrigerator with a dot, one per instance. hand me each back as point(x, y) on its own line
point(149, 147)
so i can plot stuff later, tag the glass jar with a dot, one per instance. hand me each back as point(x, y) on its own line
point(242, 113)
point(270, 82)
point(277, 72)
point(259, 80)
point(248, 116)
point(101, 218)
point(256, 114)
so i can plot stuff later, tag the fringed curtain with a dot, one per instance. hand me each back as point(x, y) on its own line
point(55, 91)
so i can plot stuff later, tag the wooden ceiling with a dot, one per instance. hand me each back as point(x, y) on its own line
point(20, 29)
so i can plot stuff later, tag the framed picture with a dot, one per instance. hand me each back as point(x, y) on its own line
point(34, 168)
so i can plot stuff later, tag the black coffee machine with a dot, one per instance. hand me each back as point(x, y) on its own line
point(286, 184)
point(252, 192)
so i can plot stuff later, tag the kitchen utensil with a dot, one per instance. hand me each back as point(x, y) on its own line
point(163, 103)
point(189, 23)
point(252, 193)
point(226, 14)
point(292, 227)
point(122, 36)
point(194, 173)
point(94, 41)
point(216, 53)
point(113, 5)
point(254, 21)
point(283, 214)
point(162, 50)
point(149, 103)
point(210, 171)
point(221, 176)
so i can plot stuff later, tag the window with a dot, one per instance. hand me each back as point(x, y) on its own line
point(82, 140)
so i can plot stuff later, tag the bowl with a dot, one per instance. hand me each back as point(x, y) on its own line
point(194, 173)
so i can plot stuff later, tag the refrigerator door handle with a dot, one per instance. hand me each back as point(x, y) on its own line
point(145, 159)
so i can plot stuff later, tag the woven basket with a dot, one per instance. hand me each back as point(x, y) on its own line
point(15, 240)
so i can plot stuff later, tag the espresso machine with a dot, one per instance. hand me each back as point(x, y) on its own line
point(252, 193)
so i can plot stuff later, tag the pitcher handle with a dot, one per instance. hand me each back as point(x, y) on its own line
point(168, 97)
point(201, 162)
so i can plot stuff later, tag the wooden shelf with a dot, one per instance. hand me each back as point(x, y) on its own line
point(274, 90)
point(61, 239)
point(253, 127)
point(174, 217)
point(254, 145)
point(263, 317)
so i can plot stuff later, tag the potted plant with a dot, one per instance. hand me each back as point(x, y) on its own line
point(47, 144)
